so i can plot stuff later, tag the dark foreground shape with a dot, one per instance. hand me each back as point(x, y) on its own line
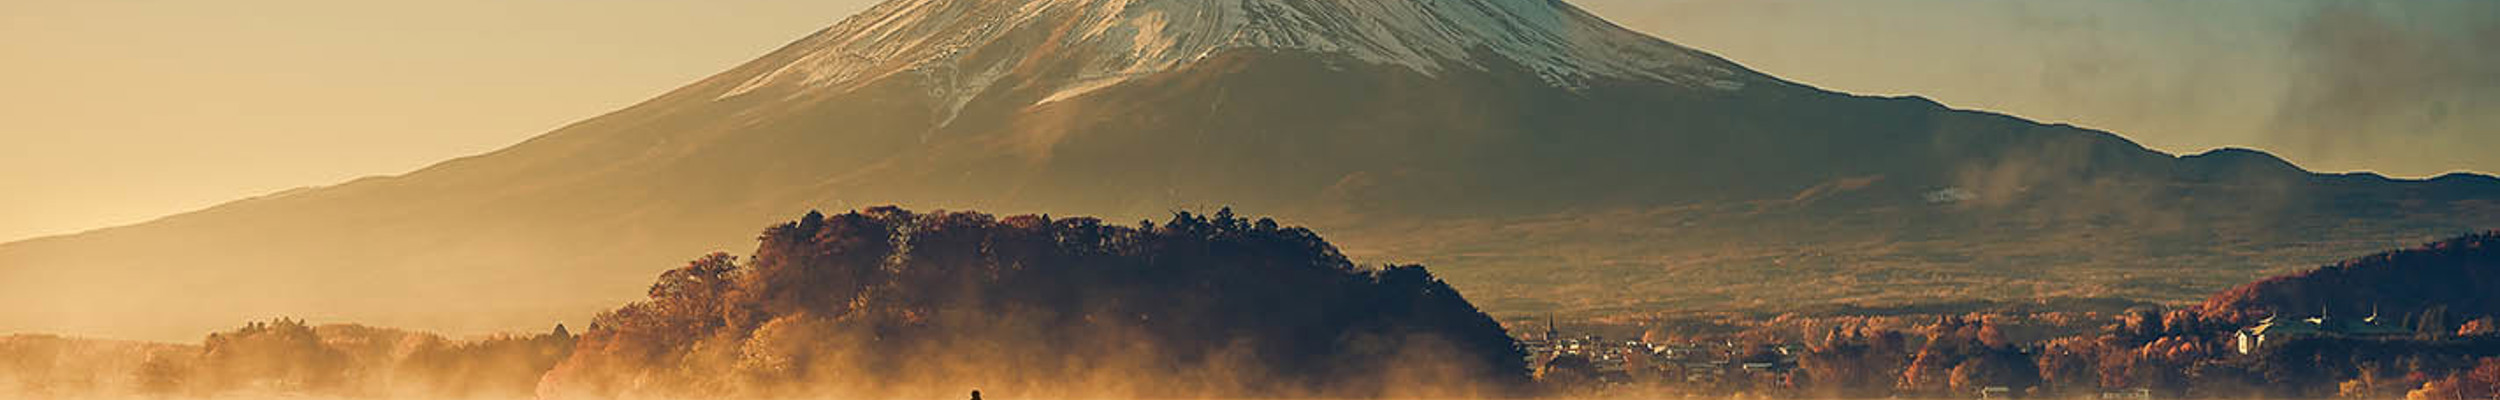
point(890, 303)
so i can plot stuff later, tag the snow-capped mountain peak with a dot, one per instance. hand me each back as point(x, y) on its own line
point(971, 44)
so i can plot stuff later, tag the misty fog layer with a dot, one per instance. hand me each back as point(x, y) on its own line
point(888, 303)
point(282, 358)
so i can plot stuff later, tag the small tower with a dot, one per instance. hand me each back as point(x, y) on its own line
point(1550, 333)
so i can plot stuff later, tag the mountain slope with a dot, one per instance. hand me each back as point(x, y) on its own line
point(1547, 160)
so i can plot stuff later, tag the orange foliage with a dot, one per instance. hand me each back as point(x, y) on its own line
point(2481, 382)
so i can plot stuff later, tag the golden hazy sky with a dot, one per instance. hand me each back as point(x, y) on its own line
point(117, 111)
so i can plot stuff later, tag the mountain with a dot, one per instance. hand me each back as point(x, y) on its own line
point(1541, 158)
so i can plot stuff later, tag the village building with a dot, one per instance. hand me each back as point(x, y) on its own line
point(1996, 392)
point(2128, 394)
point(2273, 330)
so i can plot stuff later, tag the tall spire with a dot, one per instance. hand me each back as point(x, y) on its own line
point(1550, 333)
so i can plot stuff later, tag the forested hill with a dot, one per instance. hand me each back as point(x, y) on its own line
point(2460, 275)
point(887, 303)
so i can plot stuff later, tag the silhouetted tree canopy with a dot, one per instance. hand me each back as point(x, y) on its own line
point(886, 302)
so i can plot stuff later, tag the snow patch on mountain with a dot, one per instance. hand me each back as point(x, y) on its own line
point(965, 47)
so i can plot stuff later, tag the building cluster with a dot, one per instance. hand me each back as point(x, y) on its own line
point(1720, 368)
point(1699, 364)
point(2276, 330)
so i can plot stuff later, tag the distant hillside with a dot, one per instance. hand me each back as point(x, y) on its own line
point(886, 303)
point(2459, 275)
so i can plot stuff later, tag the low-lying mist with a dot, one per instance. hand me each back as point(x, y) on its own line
point(282, 358)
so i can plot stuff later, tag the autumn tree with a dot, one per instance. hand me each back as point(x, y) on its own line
point(2477, 327)
point(279, 355)
point(1567, 372)
point(1857, 362)
point(1995, 368)
point(1962, 351)
point(2480, 382)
